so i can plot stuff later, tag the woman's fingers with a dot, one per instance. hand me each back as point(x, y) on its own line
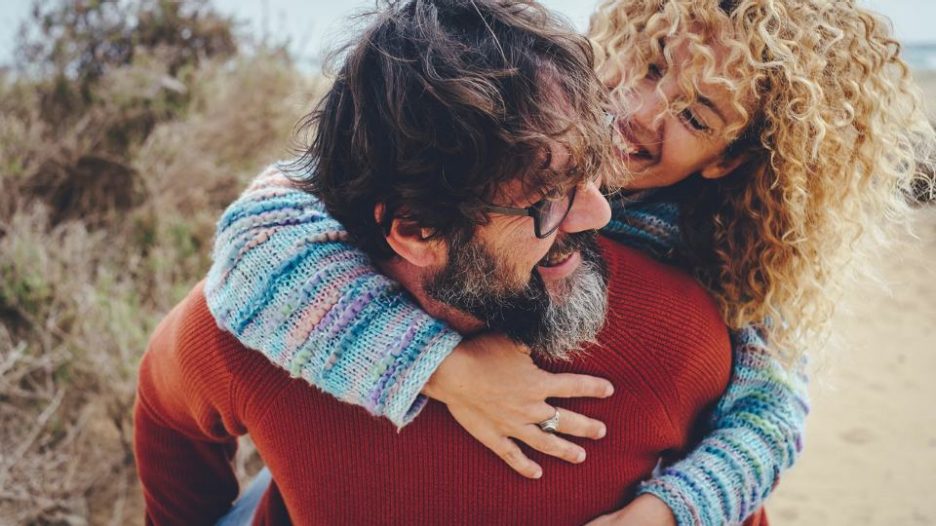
point(579, 425)
point(497, 393)
point(552, 445)
point(568, 385)
point(510, 453)
point(572, 423)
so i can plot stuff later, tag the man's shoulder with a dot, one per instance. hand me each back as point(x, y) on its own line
point(189, 331)
point(636, 278)
point(661, 308)
point(189, 353)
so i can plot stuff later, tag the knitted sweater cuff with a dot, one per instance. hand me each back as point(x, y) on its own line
point(384, 379)
point(406, 401)
point(722, 482)
point(671, 491)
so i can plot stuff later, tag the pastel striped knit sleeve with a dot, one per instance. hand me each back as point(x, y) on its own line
point(756, 434)
point(757, 426)
point(285, 282)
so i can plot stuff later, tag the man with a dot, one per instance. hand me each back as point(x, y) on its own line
point(450, 124)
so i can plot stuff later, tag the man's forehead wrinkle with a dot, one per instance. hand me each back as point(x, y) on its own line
point(515, 193)
point(527, 189)
point(558, 123)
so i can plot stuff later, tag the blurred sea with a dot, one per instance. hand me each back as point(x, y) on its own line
point(921, 57)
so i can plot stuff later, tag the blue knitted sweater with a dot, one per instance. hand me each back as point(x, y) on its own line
point(286, 282)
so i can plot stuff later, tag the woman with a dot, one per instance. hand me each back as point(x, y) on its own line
point(763, 138)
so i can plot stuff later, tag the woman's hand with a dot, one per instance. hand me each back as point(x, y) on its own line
point(495, 391)
point(645, 510)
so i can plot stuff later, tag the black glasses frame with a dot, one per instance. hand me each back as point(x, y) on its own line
point(535, 211)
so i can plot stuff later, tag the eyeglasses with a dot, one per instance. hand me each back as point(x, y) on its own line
point(547, 213)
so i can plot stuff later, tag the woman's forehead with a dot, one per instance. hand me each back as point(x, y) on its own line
point(709, 67)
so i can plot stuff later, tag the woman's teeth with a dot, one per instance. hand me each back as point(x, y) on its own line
point(629, 149)
point(621, 144)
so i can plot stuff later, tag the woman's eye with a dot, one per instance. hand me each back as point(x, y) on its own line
point(690, 118)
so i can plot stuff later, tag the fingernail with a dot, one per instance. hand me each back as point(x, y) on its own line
point(602, 431)
point(580, 457)
point(609, 391)
point(538, 474)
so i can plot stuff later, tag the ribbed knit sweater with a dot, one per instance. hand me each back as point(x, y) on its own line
point(664, 347)
point(287, 283)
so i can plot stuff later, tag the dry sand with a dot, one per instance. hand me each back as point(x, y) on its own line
point(870, 453)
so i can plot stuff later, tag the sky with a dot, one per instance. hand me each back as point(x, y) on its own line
point(313, 25)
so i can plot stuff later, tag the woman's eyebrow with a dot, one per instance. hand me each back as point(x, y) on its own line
point(708, 103)
point(705, 101)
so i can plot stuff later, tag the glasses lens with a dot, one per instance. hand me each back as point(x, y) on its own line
point(553, 212)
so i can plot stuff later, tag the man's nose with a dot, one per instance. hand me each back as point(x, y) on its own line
point(590, 211)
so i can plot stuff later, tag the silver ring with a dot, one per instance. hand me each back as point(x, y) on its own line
point(550, 425)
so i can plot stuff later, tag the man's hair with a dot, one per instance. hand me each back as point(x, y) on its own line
point(441, 102)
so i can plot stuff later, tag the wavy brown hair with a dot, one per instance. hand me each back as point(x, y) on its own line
point(441, 102)
point(834, 140)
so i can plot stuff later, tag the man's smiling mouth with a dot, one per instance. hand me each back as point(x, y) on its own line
point(554, 260)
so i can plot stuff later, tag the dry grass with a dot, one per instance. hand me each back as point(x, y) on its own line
point(96, 244)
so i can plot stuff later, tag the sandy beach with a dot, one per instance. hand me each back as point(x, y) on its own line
point(870, 455)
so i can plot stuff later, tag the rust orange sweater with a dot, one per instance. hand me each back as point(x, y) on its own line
point(664, 347)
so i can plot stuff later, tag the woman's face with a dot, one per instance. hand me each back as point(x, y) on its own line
point(661, 147)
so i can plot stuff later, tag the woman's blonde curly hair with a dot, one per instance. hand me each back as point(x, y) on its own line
point(833, 142)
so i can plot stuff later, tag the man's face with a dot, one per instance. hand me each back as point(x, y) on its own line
point(547, 293)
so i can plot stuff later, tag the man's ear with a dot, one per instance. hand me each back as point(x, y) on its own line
point(411, 242)
point(722, 167)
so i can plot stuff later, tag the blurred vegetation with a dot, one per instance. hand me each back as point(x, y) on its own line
point(125, 128)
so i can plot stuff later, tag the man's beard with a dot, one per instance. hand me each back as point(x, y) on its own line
point(552, 323)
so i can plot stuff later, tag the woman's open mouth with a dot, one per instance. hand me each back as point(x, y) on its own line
point(627, 146)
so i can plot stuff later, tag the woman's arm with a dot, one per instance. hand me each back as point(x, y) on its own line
point(756, 434)
point(757, 427)
point(285, 282)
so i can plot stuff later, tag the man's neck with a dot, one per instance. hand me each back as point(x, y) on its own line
point(413, 278)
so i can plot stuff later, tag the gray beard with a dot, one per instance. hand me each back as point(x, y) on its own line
point(553, 324)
